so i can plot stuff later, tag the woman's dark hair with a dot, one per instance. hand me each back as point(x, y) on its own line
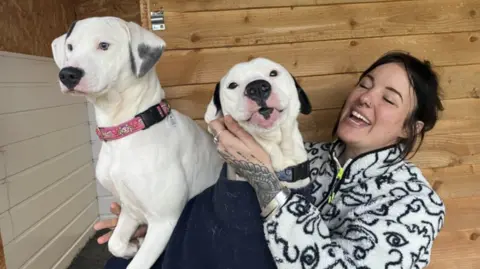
point(424, 82)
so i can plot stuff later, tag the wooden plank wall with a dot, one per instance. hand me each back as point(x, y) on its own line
point(326, 44)
point(29, 26)
point(2, 254)
point(125, 9)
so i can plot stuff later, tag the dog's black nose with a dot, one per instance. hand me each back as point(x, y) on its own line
point(70, 76)
point(258, 90)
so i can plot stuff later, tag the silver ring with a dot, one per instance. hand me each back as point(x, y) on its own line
point(215, 139)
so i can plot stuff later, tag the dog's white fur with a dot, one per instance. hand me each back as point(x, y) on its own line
point(283, 140)
point(154, 172)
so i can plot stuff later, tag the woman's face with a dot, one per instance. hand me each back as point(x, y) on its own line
point(376, 109)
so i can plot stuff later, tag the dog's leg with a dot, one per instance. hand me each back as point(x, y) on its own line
point(119, 244)
point(154, 243)
point(162, 222)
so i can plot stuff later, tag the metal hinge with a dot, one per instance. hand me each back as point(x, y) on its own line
point(158, 20)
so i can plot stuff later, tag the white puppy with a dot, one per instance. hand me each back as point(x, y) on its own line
point(153, 159)
point(265, 99)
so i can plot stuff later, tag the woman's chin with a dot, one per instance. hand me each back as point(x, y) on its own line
point(350, 134)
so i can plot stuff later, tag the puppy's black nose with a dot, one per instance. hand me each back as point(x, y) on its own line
point(258, 91)
point(70, 76)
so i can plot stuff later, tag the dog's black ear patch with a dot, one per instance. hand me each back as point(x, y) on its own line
point(132, 60)
point(149, 55)
point(305, 106)
point(70, 29)
point(216, 98)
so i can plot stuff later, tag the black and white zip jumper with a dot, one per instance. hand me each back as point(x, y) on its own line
point(374, 212)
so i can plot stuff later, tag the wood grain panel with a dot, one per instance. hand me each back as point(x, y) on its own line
point(125, 9)
point(328, 91)
point(301, 24)
point(181, 67)
point(2, 254)
point(205, 5)
point(29, 26)
point(457, 242)
point(460, 249)
point(455, 263)
point(454, 182)
point(462, 214)
point(458, 238)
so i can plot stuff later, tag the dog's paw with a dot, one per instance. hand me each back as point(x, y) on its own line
point(121, 250)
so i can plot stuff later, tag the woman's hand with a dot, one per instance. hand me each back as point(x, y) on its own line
point(240, 150)
point(111, 223)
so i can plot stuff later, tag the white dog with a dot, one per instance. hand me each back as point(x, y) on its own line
point(154, 159)
point(265, 99)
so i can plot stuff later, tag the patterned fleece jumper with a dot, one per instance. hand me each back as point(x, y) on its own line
point(384, 215)
point(374, 212)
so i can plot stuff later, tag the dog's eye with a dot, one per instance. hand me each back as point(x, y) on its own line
point(70, 47)
point(273, 73)
point(232, 85)
point(103, 45)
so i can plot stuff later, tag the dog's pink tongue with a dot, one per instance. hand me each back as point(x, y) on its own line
point(259, 120)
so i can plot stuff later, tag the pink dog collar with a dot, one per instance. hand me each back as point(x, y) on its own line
point(141, 121)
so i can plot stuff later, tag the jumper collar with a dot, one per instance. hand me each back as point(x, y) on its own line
point(369, 164)
point(141, 121)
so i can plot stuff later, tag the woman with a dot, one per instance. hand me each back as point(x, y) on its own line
point(368, 208)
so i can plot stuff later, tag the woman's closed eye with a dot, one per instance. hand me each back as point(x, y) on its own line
point(366, 84)
point(388, 101)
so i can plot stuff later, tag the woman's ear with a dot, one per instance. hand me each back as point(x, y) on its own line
point(418, 128)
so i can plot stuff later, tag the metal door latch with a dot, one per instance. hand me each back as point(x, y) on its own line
point(158, 20)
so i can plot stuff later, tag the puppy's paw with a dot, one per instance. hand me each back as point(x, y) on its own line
point(122, 250)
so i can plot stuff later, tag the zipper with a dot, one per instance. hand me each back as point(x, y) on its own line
point(340, 172)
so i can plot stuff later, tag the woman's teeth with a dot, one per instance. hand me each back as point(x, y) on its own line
point(360, 117)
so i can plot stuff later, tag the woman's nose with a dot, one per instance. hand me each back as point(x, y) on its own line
point(366, 99)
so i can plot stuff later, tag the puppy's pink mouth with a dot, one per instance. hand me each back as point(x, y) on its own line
point(265, 117)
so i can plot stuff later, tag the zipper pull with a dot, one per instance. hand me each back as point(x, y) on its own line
point(330, 198)
point(340, 173)
point(338, 177)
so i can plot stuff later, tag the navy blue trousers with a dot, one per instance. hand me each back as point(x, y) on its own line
point(220, 228)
